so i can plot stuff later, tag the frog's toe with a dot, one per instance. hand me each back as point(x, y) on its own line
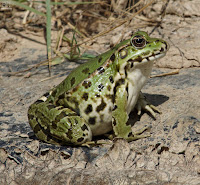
point(137, 135)
point(142, 130)
point(152, 109)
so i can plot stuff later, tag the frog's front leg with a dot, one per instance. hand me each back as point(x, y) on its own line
point(120, 117)
point(142, 103)
point(58, 125)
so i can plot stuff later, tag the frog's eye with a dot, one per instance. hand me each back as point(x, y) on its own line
point(138, 41)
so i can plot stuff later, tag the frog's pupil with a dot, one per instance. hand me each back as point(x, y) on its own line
point(139, 40)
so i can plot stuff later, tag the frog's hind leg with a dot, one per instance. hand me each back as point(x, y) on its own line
point(58, 125)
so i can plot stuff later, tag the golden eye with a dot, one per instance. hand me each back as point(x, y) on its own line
point(123, 53)
point(138, 41)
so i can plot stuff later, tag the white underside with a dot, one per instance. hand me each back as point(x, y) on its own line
point(136, 81)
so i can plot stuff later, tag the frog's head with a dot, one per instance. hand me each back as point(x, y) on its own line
point(141, 49)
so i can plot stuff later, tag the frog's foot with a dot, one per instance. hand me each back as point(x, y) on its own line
point(137, 135)
point(142, 103)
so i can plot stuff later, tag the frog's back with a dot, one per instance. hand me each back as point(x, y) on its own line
point(84, 71)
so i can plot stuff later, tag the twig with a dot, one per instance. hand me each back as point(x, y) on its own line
point(166, 74)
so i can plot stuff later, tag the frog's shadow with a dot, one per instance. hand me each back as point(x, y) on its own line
point(156, 99)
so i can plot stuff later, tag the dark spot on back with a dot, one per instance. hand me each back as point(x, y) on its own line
point(86, 84)
point(75, 89)
point(101, 106)
point(111, 79)
point(112, 58)
point(92, 120)
point(109, 87)
point(85, 96)
point(100, 59)
point(97, 95)
point(72, 81)
point(100, 87)
point(88, 109)
point(75, 102)
point(100, 70)
point(86, 70)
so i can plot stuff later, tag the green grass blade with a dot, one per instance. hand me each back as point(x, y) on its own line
point(48, 32)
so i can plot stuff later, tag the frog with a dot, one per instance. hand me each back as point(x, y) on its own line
point(98, 96)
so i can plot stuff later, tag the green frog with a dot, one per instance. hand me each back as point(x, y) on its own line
point(98, 96)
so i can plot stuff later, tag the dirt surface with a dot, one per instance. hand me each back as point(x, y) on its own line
point(170, 156)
